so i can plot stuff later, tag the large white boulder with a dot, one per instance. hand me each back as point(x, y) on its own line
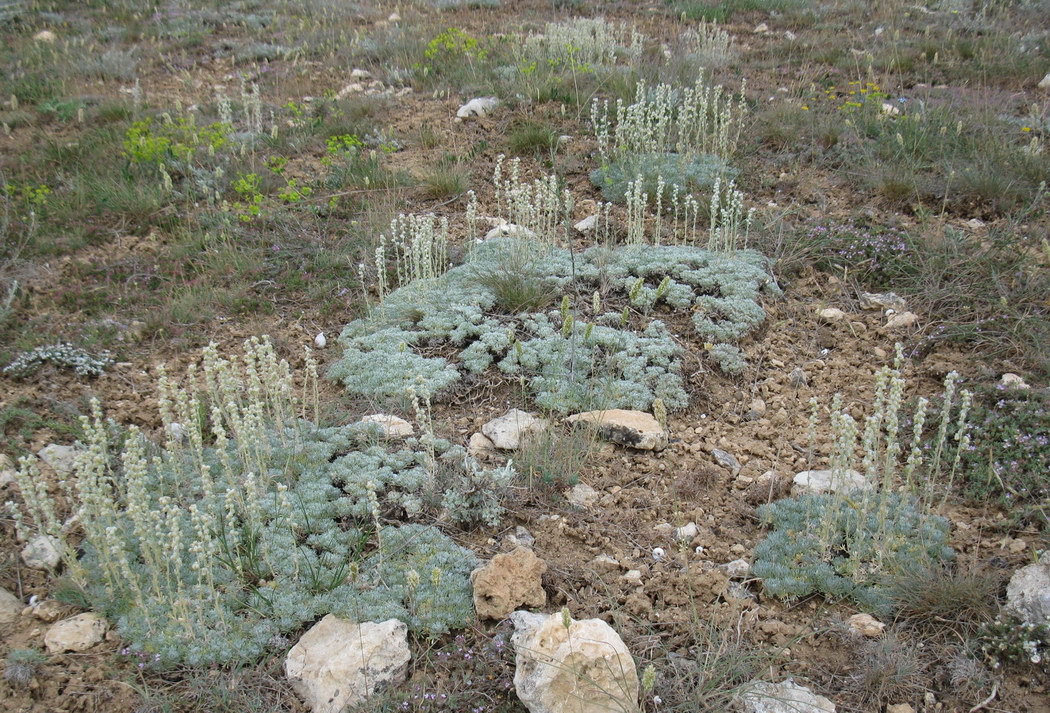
point(77, 633)
point(580, 668)
point(786, 697)
point(339, 663)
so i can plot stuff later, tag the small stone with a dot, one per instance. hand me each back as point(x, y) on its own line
point(49, 610)
point(10, 607)
point(361, 74)
point(738, 549)
point(582, 495)
point(632, 577)
point(1013, 381)
point(929, 699)
point(605, 563)
point(757, 408)
point(393, 17)
point(866, 625)
point(1017, 546)
point(587, 224)
point(761, 29)
point(338, 663)
point(882, 300)
point(798, 378)
point(390, 426)
point(78, 633)
point(900, 708)
point(828, 481)
point(786, 697)
point(42, 553)
point(904, 320)
point(508, 582)
point(726, 460)
point(521, 537)
point(634, 429)
point(879, 353)
point(510, 230)
point(7, 470)
point(479, 107)
point(320, 341)
point(61, 459)
point(1044, 83)
point(507, 431)
point(49, 37)
point(567, 666)
point(687, 532)
point(737, 569)
point(480, 446)
point(790, 36)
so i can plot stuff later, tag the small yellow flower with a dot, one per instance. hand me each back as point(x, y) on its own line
point(805, 108)
point(1026, 128)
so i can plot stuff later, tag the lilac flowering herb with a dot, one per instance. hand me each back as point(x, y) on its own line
point(472, 672)
point(1009, 455)
point(874, 254)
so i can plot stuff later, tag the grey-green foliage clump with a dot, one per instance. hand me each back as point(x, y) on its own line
point(426, 335)
point(692, 173)
point(205, 555)
point(62, 355)
point(840, 548)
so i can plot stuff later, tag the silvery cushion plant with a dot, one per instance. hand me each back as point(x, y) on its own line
point(430, 334)
point(248, 520)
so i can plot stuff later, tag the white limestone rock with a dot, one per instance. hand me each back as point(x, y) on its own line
point(480, 446)
point(786, 697)
point(882, 300)
point(828, 481)
point(831, 314)
point(582, 495)
point(60, 458)
point(508, 431)
point(391, 426)
point(41, 553)
point(582, 668)
point(478, 107)
point(10, 607)
point(338, 663)
point(78, 633)
point(634, 429)
point(510, 230)
point(866, 625)
point(1028, 593)
point(1013, 381)
point(904, 320)
point(587, 224)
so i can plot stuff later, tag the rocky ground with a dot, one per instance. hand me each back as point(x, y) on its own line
point(650, 551)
